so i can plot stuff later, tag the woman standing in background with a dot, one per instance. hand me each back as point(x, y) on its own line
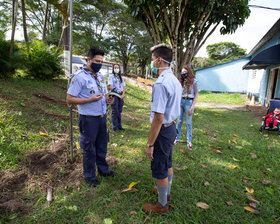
point(117, 85)
point(188, 101)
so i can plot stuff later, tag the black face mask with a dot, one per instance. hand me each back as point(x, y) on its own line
point(95, 67)
point(184, 75)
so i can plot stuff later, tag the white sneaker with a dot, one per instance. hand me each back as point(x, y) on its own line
point(189, 145)
point(176, 142)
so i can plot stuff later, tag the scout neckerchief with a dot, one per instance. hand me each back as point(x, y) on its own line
point(108, 109)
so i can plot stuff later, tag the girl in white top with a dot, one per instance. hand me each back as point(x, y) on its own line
point(188, 101)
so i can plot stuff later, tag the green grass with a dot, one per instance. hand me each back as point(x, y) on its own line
point(225, 98)
point(212, 129)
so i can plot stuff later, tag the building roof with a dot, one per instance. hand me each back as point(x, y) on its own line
point(266, 38)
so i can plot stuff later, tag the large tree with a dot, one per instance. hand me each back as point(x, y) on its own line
point(186, 24)
point(225, 51)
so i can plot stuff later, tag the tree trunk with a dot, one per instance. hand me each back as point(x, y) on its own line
point(45, 22)
point(24, 21)
point(125, 63)
point(14, 22)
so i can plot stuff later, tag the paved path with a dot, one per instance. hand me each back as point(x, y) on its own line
point(221, 105)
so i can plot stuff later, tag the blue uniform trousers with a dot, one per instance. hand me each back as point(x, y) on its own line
point(93, 140)
point(116, 113)
point(162, 154)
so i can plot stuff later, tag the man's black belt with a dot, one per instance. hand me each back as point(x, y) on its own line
point(167, 125)
point(187, 98)
point(91, 116)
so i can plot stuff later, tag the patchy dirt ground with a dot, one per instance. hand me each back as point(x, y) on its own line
point(46, 168)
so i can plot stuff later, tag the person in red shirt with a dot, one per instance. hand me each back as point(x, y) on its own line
point(274, 117)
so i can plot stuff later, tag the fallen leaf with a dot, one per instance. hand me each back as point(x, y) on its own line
point(244, 180)
point(250, 209)
point(133, 184)
point(203, 166)
point(228, 141)
point(133, 213)
point(146, 219)
point(234, 140)
point(253, 204)
point(43, 134)
point(114, 145)
point(235, 159)
point(236, 135)
point(253, 155)
point(265, 182)
point(250, 197)
point(192, 157)
point(75, 127)
point(182, 168)
point(218, 151)
point(206, 183)
point(139, 160)
point(233, 166)
point(239, 147)
point(249, 190)
point(183, 151)
point(229, 203)
point(269, 147)
point(202, 205)
point(122, 136)
point(129, 190)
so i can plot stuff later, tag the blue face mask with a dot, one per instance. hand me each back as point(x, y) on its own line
point(184, 75)
point(95, 67)
point(154, 69)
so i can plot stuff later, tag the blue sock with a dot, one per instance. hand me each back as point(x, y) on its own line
point(170, 177)
point(162, 194)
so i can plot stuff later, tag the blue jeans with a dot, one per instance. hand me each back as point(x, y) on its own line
point(185, 106)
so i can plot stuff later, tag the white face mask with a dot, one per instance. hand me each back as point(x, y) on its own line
point(116, 70)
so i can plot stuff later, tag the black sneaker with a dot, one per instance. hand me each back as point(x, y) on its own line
point(110, 174)
point(93, 183)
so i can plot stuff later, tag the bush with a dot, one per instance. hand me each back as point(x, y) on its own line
point(43, 62)
point(8, 64)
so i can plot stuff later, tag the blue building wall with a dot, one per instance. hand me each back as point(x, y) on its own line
point(227, 77)
point(265, 79)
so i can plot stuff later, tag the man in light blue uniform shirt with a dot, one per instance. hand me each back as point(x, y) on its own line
point(165, 109)
point(89, 92)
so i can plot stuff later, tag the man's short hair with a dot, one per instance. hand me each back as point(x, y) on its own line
point(95, 51)
point(162, 50)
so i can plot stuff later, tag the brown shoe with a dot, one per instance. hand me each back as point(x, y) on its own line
point(155, 207)
point(156, 192)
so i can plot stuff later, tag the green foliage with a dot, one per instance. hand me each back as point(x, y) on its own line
point(43, 62)
point(225, 51)
point(184, 24)
point(8, 64)
point(219, 53)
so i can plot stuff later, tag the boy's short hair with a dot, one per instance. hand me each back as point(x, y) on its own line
point(162, 50)
point(95, 51)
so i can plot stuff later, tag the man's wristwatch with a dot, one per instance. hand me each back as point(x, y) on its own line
point(150, 146)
